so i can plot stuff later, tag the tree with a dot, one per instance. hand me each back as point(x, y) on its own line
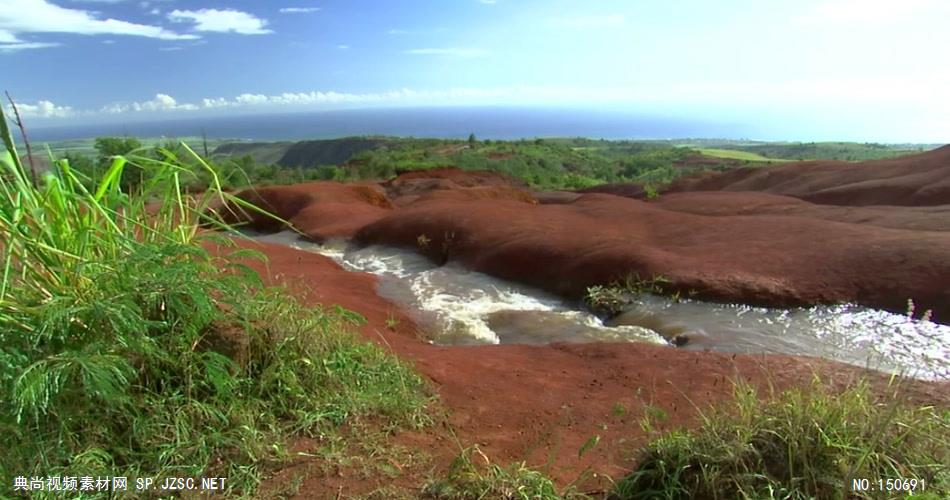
point(109, 147)
point(472, 141)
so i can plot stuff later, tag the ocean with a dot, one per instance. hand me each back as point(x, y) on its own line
point(485, 123)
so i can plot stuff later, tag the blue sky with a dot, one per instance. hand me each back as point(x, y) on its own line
point(809, 69)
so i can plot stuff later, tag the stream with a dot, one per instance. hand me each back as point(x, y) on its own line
point(456, 306)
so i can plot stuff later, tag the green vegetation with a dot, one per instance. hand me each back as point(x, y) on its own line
point(127, 348)
point(799, 444)
point(467, 480)
point(610, 299)
point(844, 151)
point(545, 164)
point(736, 154)
point(809, 443)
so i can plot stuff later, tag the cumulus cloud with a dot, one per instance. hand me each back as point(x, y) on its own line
point(299, 10)
point(40, 16)
point(447, 51)
point(221, 21)
point(161, 102)
point(41, 109)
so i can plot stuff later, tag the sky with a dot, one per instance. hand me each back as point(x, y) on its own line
point(874, 70)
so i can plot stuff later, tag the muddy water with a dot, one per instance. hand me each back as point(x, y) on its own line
point(454, 305)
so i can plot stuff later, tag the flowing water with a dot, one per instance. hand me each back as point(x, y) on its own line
point(454, 305)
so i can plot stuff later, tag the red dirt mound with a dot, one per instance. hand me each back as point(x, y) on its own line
point(770, 260)
point(480, 193)
point(917, 180)
point(556, 197)
point(318, 209)
point(409, 186)
point(630, 190)
point(725, 203)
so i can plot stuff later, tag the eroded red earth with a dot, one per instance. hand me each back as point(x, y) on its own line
point(542, 403)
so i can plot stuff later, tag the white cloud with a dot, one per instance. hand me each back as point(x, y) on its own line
point(447, 51)
point(42, 109)
point(40, 16)
point(218, 102)
point(221, 21)
point(17, 46)
point(161, 102)
point(488, 2)
point(299, 10)
point(343, 47)
point(910, 107)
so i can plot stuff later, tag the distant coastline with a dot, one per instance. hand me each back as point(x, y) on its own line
point(484, 122)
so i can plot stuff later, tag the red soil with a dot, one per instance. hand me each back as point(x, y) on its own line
point(319, 209)
point(725, 203)
point(773, 260)
point(629, 190)
point(916, 180)
point(542, 403)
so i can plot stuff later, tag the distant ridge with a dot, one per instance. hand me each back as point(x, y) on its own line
point(302, 154)
point(921, 179)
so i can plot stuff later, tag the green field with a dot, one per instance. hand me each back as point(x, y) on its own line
point(735, 154)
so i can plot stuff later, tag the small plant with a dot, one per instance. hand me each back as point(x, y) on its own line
point(606, 299)
point(392, 322)
point(805, 443)
point(467, 480)
point(618, 409)
point(652, 193)
point(611, 299)
point(423, 241)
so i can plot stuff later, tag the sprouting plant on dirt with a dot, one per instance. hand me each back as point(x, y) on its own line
point(423, 241)
point(392, 322)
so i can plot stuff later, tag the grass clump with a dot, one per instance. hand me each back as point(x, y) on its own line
point(127, 348)
point(805, 443)
point(467, 480)
point(610, 300)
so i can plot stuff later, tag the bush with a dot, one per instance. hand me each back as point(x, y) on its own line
point(128, 349)
point(806, 443)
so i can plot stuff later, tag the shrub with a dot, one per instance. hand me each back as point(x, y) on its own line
point(127, 348)
point(806, 443)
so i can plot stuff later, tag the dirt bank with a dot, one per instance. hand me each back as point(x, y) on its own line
point(542, 403)
point(757, 248)
point(762, 259)
point(916, 180)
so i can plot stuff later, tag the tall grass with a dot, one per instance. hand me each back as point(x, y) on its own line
point(127, 348)
point(806, 443)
